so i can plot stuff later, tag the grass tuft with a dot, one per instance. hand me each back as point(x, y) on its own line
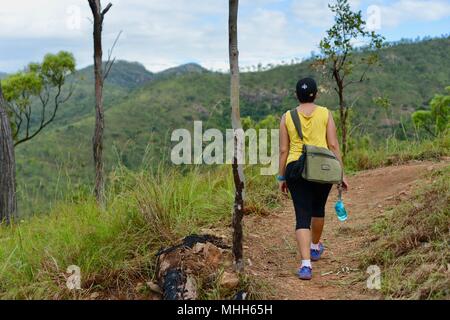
point(396, 152)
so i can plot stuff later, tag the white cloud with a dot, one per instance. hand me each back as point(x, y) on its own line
point(158, 33)
point(316, 13)
point(38, 18)
point(413, 10)
point(163, 33)
point(268, 34)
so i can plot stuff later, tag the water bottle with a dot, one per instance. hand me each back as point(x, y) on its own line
point(339, 207)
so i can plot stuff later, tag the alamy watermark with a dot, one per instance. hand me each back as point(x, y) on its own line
point(374, 280)
point(73, 281)
point(214, 147)
point(73, 19)
point(373, 22)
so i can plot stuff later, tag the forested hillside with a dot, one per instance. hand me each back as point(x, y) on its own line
point(142, 108)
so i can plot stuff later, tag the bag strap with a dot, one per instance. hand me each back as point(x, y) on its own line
point(297, 123)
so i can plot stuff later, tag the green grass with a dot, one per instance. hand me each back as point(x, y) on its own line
point(413, 241)
point(115, 248)
point(365, 155)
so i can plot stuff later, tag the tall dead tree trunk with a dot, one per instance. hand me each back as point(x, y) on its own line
point(238, 171)
point(97, 141)
point(8, 201)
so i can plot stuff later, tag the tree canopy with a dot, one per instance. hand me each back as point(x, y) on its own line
point(35, 94)
point(435, 120)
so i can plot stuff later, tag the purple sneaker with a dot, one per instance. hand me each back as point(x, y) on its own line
point(305, 273)
point(316, 254)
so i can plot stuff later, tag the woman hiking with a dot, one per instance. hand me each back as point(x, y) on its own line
point(309, 198)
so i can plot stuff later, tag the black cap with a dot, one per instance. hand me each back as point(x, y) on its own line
point(306, 90)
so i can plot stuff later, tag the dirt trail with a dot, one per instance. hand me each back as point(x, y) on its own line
point(271, 248)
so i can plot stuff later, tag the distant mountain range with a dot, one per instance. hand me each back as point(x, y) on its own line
point(123, 78)
point(142, 109)
point(133, 74)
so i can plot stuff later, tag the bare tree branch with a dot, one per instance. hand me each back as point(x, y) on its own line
point(43, 123)
point(361, 79)
point(70, 93)
point(28, 117)
point(109, 63)
point(17, 119)
point(104, 11)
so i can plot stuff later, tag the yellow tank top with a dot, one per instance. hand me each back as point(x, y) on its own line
point(314, 130)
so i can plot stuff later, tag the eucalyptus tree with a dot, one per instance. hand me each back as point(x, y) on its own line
point(8, 201)
point(29, 102)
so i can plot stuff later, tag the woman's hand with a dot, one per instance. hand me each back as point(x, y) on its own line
point(344, 184)
point(283, 187)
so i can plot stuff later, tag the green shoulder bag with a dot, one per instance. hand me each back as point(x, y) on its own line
point(318, 164)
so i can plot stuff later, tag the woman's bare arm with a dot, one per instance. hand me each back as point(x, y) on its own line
point(284, 152)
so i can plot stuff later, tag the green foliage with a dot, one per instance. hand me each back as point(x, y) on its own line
point(337, 47)
point(338, 61)
point(150, 206)
point(143, 109)
point(56, 67)
point(440, 110)
point(348, 27)
point(19, 88)
point(423, 119)
point(383, 102)
point(269, 122)
point(436, 120)
point(367, 154)
point(247, 123)
point(30, 93)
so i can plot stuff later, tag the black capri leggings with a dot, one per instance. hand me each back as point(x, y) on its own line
point(309, 199)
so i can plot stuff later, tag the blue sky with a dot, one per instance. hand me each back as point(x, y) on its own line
point(162, 34)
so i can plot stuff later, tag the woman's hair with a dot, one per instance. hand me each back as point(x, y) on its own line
point(306, 90)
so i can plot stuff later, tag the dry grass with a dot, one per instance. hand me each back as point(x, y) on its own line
point(413, 241)
point(115, 248)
